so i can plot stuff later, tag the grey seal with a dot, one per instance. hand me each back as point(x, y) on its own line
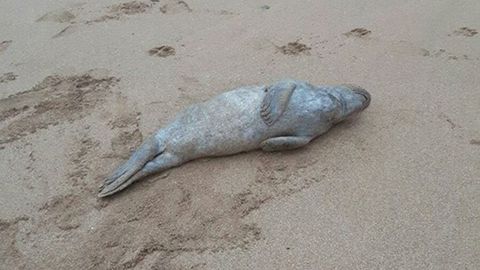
point(285, 115)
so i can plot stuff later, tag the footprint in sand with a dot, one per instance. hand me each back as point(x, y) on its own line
point(80, 159)
point(65, 212)
point(294, 48)
point(474, 142)
point(7, 77)
point(358, 32)
point(465, 31)
point(4, 45)
point(130, 8)
point(174, 7)
point(126, 128)
point(162, 51)
point(9, 252)
point(119, 10)
point(442, 53)
point(58, 16)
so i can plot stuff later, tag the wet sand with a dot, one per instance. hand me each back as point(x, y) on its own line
point(83, 83)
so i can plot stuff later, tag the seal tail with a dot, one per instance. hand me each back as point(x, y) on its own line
point(130, 171)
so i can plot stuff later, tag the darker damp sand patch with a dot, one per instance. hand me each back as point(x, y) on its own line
point(188, 221)
point(55, 100)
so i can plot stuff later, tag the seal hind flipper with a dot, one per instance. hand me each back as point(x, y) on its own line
point(127, 173)
point(275, 101)
point(284, 143)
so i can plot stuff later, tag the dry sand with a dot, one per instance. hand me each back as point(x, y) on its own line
point(82, 83)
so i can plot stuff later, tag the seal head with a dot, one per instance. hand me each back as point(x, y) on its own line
point(353, 99)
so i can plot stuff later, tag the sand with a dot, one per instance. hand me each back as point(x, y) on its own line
point(82, 83)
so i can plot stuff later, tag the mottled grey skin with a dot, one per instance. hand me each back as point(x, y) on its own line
point(285, 115)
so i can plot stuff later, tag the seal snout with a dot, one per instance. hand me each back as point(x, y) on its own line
point(364, 94)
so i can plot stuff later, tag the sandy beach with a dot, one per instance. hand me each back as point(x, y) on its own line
point(82, 83)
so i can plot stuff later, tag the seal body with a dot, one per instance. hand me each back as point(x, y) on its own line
point(282, 116)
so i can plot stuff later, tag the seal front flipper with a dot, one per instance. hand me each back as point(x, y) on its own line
point(275, 101)
point(131, 170)
point(284, 143)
